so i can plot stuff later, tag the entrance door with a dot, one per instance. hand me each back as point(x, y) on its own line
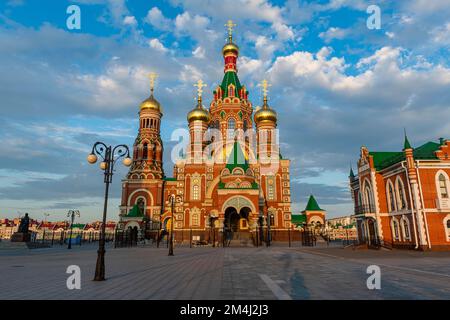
point(372, 234)
point(231, 220)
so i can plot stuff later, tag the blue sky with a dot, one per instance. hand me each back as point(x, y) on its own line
point(336, 86)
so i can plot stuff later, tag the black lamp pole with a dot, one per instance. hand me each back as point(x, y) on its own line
point(71, 214)
point(109, 156)
point(172, 203)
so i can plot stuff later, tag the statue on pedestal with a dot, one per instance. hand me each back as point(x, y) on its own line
point(22, 234)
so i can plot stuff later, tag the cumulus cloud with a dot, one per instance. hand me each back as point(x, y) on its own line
point(156, 18)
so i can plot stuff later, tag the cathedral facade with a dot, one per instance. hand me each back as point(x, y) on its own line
point(231, 176)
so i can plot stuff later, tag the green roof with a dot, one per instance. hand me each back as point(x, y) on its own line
point(298, 219)
point(135, 212)
point(78, 225)
point(312, 205)
point(352, 174)
point(383, 160)
point(237, 158)
point(170, 179)
point(406, 144)
point(230, 77)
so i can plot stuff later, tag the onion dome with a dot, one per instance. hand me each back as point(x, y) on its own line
point(199, 113)
point(230, 47)
point(151, 103)
point(265, 113)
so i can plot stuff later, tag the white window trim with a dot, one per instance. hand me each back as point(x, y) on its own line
point(394, 229)
point(402, 227)
point(388, 196)
point(399, 186)
point(447, 184)
point(447, 230)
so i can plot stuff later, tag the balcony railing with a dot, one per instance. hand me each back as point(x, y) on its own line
point(364, 209)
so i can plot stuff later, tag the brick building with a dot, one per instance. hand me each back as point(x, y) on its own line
point(231, 171)
point(402, 198)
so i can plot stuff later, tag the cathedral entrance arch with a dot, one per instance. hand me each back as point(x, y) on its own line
point(237, 214)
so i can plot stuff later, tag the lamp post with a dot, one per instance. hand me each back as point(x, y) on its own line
point(71, 214)
point(45, 221)
point(109, 156)
point(172, 205)
point(213, 227)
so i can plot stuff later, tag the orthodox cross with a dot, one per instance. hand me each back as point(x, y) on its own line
point(152, 76)
point(230, 25)
point(265, 88)
point(200, 84)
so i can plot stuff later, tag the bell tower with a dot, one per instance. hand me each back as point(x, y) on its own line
point(142, 188)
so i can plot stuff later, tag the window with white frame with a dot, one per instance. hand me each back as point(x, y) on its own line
point(401, 196)
point(447, 227)
point(405, 229)
point(443, 190)
point(195, 192)
point(270, 188)
point(395, 229)
point(195, 219)
point(231, 127)
point(391, 197)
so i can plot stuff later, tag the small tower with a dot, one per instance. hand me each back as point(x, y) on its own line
point(266, 123)
point(198, 120)
point(314, 214)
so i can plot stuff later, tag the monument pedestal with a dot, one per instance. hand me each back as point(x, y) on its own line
point(21, 237)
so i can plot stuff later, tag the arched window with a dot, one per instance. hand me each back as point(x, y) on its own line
point(369, 199)
point(195, 219)
point(443, 191)
point(391, 197)
point(405, 228)
point(145, 151)
point(448, 229)
point(395, 229)
point(231, 127)
point(231, 91)
point(196, 192)
point(401, 196)
point(270, 188)
point(245, 125)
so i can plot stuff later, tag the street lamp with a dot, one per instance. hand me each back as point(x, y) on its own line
point(172, 205)
point(109, 156)
point(71, 214)
point(213, 219)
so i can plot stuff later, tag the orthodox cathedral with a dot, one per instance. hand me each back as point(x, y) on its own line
point(231, 176)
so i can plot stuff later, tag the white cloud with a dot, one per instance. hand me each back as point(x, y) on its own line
point(199, 52)
point(156, 18)
point(157, 45)
point(130, 21)
point(333, 33)
point(441, 35)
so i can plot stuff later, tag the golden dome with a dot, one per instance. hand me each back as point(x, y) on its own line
point(230, 47)
point(151, 103)
point(199, 113)
point(265, 114)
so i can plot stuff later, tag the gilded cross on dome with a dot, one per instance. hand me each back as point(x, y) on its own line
point(200, 84)
point(230, 25)
point(152, 76)
point(265, 88)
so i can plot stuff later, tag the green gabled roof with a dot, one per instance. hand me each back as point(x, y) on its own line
point(312, 205)
point(383, 160)
point(427, 151)
point(254, 186)
point(406, 144)
point(135, 212)
point(78, 225)
point(298, 219)
point(170, 179)
point(237, 158)
point(352, 174)
point(230, 77)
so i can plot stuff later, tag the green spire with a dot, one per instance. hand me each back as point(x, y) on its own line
point(231, 77)
point(312, 205)
point(237, 158)
point(352, 175)
point(406, 145)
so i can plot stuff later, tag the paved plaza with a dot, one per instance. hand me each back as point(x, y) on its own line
point(277, 272)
